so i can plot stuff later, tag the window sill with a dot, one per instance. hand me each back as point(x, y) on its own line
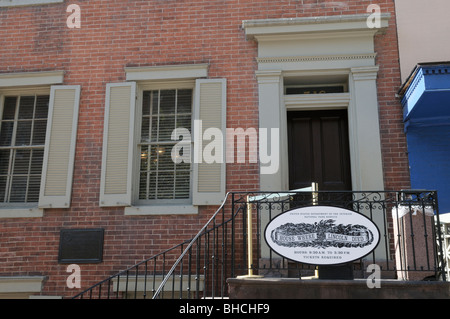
point(162, 210)
point(20, 212)
point(16, 3)
point(21, 284)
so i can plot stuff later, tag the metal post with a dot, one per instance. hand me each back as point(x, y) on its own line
point(315, 202)
point(315, 195)
point(249, 242)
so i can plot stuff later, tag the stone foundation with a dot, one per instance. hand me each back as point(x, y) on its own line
point(285, 288)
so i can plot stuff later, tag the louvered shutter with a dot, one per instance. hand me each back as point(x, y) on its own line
point(118, 141)
point(210, 111)
point(59, 154)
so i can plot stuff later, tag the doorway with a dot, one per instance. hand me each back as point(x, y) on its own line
point(319, 151)
point(318, 148)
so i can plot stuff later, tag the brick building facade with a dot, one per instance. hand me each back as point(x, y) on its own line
point(168, 47)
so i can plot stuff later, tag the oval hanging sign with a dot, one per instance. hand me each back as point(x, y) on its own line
point(322, 235)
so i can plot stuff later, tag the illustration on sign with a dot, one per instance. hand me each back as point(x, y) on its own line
point(322, 235)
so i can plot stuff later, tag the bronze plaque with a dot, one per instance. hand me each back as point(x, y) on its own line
point(81, 246)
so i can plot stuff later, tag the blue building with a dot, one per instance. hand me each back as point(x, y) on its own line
point(426, 113)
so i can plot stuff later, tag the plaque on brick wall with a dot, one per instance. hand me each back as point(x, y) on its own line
point(81, 245)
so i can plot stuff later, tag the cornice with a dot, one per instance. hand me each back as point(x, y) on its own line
point(417, 79)
point(31, 78)
point(365, 73)
point(310, 20)
point(178, 71)
point(330, 25)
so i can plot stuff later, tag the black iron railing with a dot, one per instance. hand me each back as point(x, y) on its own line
point(410, 245)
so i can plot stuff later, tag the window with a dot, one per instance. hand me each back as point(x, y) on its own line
point(139, 171)
point(38, 126)
point(160, 177)
point(22, 141)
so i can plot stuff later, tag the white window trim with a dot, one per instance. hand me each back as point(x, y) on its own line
point(161, 210)
point(157, 206)
point(19, 84)
point(21, 210)
point(16, 3)
point(24, 286)
point(121, 194)
point(11, 80)
point(60, 200)
point(167, 72)
point(151, 78)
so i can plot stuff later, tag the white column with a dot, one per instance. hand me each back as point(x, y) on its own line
point(272, 115)
point(365, 144)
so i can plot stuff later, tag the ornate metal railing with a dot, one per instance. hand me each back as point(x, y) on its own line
point(410, 246)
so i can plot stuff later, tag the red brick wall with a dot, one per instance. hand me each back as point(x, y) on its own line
point(393, 141)
point(115, 34)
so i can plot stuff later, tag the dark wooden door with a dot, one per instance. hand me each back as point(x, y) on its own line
point(319, 150)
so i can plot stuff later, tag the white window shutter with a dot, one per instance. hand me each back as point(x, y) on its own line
point(209, 110)
point(118, 144)
point(59, 154)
